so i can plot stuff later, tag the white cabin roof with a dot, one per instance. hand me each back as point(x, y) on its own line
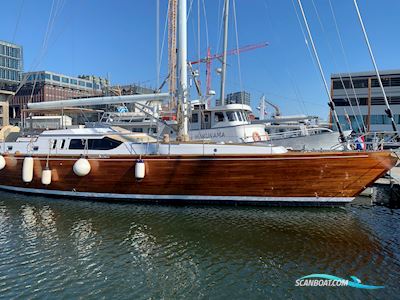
point(230, 107)
point(79, 131)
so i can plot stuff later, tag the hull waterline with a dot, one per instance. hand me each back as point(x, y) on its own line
point(291, 178)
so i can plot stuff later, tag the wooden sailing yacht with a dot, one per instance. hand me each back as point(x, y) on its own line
point(110, 163)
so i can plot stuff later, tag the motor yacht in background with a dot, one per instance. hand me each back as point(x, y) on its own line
point(298, 132)
point(223, 124)
point(302, 133)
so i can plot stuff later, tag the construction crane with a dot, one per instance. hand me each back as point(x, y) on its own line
point(210, 57)
point(172, 25)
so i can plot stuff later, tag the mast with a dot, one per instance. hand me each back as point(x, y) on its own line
point(182, 60)
point(226, 16)
point(172, 12)
point(331, 103)
point(388, 110)
point(262, 108)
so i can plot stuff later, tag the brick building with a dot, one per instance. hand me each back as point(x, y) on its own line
point(48, 86)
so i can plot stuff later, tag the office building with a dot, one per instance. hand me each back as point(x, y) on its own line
point(48, 86)
point(359, 99)
point(11, 65)
point(236, 98)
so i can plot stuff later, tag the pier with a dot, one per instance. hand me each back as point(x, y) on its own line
point(386, 190)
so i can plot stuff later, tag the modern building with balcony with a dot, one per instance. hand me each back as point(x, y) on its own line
point(359, 99)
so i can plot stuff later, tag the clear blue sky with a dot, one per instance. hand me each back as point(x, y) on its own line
point(118, 38)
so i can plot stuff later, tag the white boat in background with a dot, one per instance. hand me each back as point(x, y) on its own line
point(228, 123)
point(299, 132)
point(222, 124)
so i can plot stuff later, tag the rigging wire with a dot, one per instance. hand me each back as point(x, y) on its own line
point(336, 66)
point(295, 88)
point(206, 24)
point(347, 64)
point(305, 37)
point(331, 103)
point(238, 59)
point(18, 21)
point(237, 47)
point(158, 42)
point(207, 42)
point(198, 35)
point(163, 42)
point(388, 110)
point(56, 8)
point(220, 26)
point(288, 98)
point(189, 10)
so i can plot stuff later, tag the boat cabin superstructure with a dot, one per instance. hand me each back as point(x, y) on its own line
point(104, 141)
point(229, 123)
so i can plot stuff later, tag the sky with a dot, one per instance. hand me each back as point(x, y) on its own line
point(118, 39)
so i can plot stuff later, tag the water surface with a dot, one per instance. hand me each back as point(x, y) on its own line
point(58, 248)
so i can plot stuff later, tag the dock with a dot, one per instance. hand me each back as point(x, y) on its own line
point(386, 190)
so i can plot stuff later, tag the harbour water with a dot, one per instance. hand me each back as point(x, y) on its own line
point(58, 248)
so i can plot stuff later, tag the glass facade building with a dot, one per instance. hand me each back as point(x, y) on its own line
point(11, 64)
point(236, 98)
point(359, 99)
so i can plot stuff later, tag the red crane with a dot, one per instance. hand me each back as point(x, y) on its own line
point(210, 57)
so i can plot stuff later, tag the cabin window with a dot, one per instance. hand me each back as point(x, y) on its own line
point(9, 148)
point(105, 143)
point(77, 144)
point(62, 144)
point(195, 118)
point(219, 117)
point(240, 116)
point(206, 118)
point(54, 143)
point(232, 116)
point(246, 116)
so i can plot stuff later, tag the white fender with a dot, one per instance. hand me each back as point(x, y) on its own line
point(82, 167)
point(2, 162)
point(140, 169)
point(27, 169)
point(46, 176)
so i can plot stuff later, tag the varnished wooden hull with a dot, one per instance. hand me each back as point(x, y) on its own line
point(292, 177)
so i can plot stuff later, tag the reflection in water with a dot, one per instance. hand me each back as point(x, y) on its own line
point(69, 248)
point(4, 225)
point(84, 238)
point(29, 223)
